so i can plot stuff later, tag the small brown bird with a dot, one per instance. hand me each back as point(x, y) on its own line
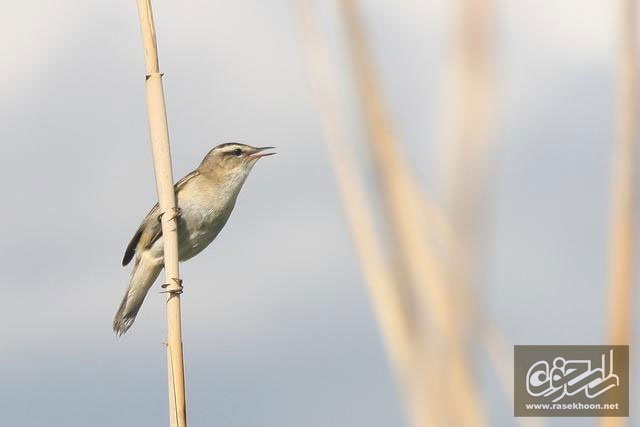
point(205, 199)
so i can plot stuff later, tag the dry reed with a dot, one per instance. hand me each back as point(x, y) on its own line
point(159, 136)
point(622, 226)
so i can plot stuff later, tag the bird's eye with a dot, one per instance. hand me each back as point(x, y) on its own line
point(236, 152)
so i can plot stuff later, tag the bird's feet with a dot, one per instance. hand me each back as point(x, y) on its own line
point(173, 291)
point(177, 212)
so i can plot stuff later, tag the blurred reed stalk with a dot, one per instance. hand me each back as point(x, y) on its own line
point(623, 191)
point(468, 137)
point(470, 122)
point(392, 313)
point(470, 119)
point(429, 325)
point(159, 135)
point(622, 227)
point(402, 199)
point(404, 204)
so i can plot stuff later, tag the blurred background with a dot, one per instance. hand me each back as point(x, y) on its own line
point(452, 178)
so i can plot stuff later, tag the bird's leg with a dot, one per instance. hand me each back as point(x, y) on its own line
point(177, 212)
point(173, 291)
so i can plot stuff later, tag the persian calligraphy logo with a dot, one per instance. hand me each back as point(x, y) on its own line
point(571, 380)
point(570, 377)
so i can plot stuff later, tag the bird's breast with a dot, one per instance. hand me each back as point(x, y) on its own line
point(201, 220)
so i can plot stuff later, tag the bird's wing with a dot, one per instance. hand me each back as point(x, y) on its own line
point(185, 179)
point(150, 230)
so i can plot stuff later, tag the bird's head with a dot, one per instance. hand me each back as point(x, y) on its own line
point(232, 159)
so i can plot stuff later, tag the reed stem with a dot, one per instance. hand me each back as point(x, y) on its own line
point(159, 135)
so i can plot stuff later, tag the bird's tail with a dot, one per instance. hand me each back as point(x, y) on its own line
point(142, 277)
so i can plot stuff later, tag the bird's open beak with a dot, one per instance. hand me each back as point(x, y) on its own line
point(260, 152)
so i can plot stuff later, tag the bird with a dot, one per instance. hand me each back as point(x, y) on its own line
point(205, 199)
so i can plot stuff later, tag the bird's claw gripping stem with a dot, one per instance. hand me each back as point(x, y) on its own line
point(177, 291)
point(177, 211)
